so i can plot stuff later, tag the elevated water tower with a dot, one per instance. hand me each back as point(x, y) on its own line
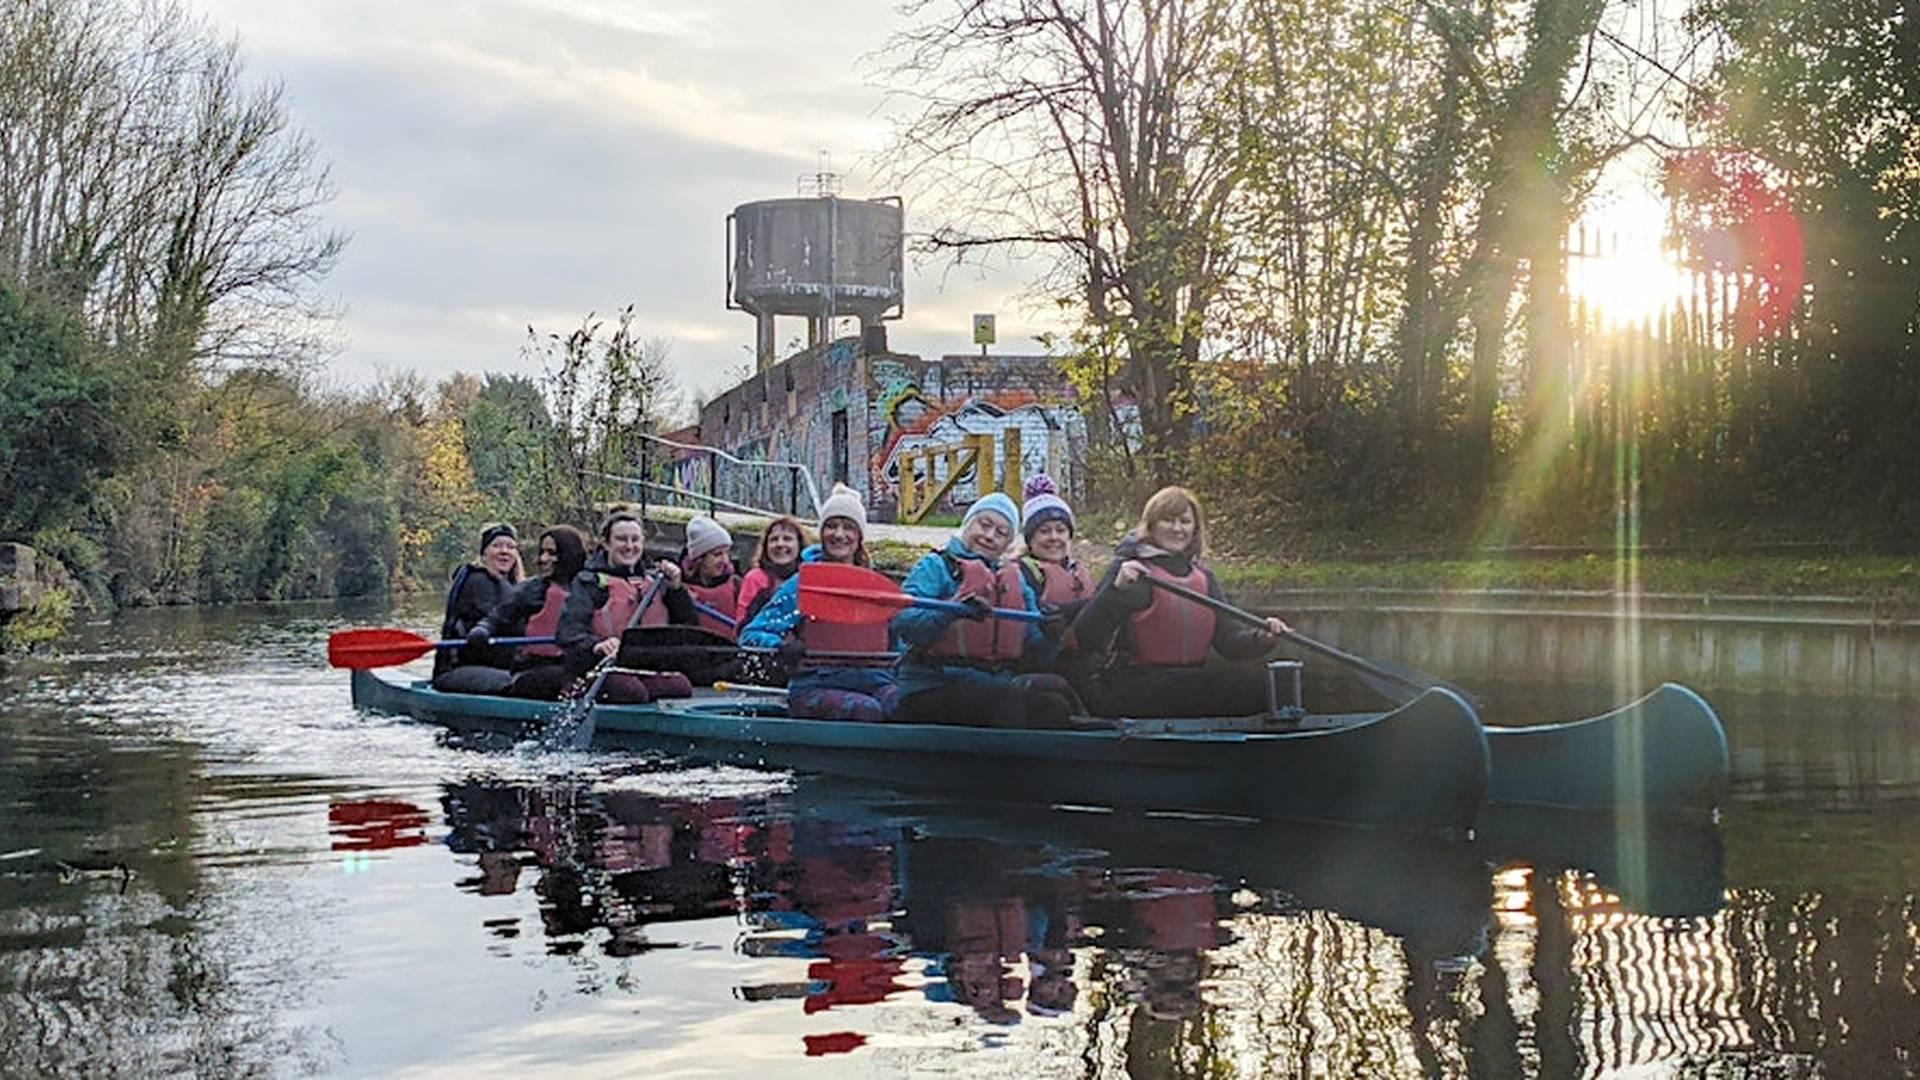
point(819, 257)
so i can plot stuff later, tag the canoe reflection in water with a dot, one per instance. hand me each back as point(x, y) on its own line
point(1042, 917)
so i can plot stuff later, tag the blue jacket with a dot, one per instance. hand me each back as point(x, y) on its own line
point(921, 627)
point(781, 616)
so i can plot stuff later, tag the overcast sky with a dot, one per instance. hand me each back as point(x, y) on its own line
point(506, 162)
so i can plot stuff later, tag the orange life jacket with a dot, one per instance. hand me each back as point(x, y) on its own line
point(1058, 584)
point(623, 597)
point(987, 640)
point(546, 622)
point(1171, 632)
point(722, 597)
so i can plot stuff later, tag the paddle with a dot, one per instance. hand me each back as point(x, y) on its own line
point(715, 613)
point(698, 651)
point(1396, 684)
point(380, 647)
point(842, 593)
point(582, 707)
point(749, 688)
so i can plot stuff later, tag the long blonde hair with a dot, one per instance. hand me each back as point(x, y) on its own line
point(1165, 505)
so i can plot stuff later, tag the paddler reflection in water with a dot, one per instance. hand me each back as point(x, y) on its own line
point(825, 690)
point(1156, 642)
point(964, 668)
point(613, 592)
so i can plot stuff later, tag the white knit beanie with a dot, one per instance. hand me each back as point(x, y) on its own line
point(704, 534)
point(844, 502)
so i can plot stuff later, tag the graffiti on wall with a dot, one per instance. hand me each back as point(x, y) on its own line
point(839, 418)
point(921, 405)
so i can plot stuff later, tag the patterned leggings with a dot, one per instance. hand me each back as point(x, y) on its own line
point(824, 703)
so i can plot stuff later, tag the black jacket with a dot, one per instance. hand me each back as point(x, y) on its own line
point(473, 593)
point(586, 596)
point(1102, 626)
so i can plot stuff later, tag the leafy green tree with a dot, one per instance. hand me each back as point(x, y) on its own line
point(1814, 107)
point(59, 405)
point(604, 393)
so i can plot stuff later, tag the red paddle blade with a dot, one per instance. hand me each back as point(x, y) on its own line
point(373, 648)
point(862, 606)
point(845, 576)
point(841, 593)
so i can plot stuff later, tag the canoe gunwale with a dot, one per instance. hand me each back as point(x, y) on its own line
point(1422, 766)
point(1663, 753)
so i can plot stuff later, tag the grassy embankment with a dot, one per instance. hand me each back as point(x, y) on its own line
point(1891, 580)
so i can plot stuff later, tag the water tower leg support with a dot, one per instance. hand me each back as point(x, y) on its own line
point(763, 342)
point(1012, 482)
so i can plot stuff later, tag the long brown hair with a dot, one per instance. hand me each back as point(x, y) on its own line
point(1165, 505)
point(760, 549)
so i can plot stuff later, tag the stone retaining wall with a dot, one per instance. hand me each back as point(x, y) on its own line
point(1829, 647)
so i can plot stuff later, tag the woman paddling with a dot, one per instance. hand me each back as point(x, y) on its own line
point(613, 592)
point(774, 561)
point(1060, 581)
point(961, 669)
point(477, 586)
point(1156, 642)
point(532, 609)
point(708, 572)
point(824, 689)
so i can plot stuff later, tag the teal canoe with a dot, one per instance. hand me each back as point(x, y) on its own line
point(1423, 766)
point(1663, 753)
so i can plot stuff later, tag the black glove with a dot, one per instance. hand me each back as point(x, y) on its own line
point(978, 609)
point(479, 636)
point(790, 652)
point(1054, 625)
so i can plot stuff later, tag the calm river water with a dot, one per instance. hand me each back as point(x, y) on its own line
point(210, 864)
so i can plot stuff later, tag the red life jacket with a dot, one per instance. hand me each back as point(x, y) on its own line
point(623, 596)
point(989, 640)
point(546, 622)
point(722, 597)
point(1172, 632)
point(1059, 584)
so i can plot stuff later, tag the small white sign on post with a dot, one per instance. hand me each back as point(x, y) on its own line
point(983, 331)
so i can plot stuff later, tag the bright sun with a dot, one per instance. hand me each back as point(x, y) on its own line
point(1618, 267)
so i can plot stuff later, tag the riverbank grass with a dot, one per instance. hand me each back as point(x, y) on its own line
point(1893, 580)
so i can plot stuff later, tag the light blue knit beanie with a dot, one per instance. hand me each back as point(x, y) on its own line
point(994, 503)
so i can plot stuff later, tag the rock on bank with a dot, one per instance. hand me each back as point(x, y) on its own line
point(37, 597)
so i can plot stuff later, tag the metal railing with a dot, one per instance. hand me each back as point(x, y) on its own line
point(799, 481)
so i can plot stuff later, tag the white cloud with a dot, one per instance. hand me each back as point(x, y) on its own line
point(506, 162)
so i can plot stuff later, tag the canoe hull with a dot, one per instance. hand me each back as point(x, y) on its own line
point(1663, 753)
point(1423, 766)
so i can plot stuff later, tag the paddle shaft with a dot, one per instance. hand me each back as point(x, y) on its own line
point(458, 643)
point(715, 613)
point(605, 668)
point(900, 599)
point(1243, 615)
point(743, 688)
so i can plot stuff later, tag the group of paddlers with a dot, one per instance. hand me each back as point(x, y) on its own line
point(1119, 647)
